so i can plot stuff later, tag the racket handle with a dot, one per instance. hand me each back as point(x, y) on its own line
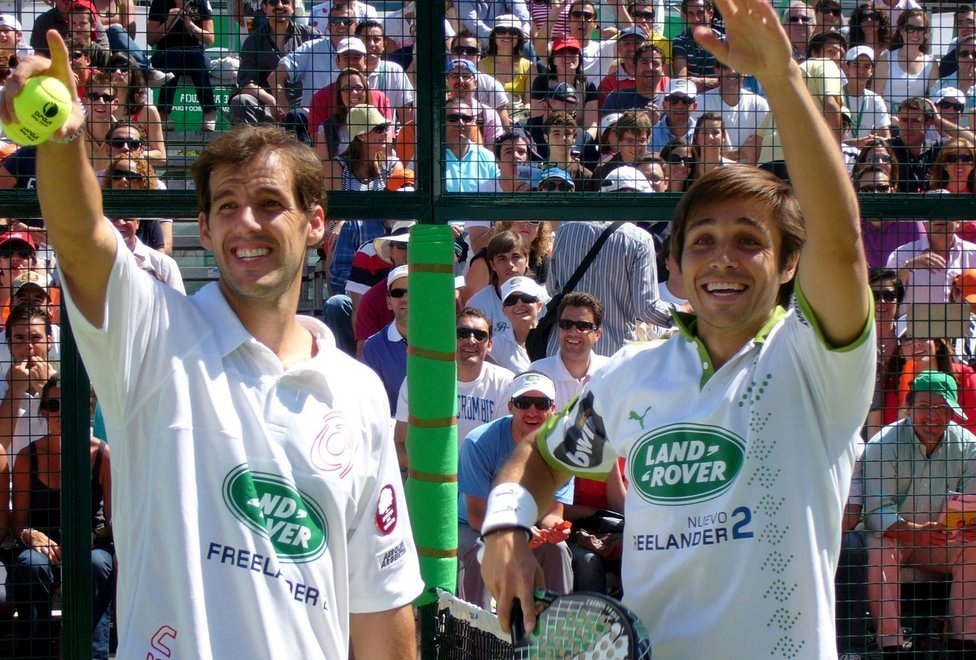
point(518, 625)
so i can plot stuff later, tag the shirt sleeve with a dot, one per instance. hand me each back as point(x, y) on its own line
point(248, 72)
point(402, 412)
point(475, 469)
point(880, 484)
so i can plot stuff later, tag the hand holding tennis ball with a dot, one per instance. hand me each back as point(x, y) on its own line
point(37, 100)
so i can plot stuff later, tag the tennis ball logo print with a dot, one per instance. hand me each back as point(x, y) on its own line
point(685, 463)
point(42, 107)
point(274, 508)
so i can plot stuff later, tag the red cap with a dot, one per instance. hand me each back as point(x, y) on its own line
point(22, 236)
point(85, 4)
point(966, 281)
point(561, 43)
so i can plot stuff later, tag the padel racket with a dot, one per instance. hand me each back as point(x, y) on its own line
point(581, 626)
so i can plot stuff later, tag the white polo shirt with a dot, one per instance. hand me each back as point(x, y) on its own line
point(567, 385)
point(737, 483)
point(255, 508)
point(925, 285)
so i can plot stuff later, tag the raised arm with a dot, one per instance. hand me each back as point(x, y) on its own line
point(71, 200)
point(832, 268)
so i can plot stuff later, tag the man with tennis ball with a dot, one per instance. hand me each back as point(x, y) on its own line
point(739, 432)
point(258, 505)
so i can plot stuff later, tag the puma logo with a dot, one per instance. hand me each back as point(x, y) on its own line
point(639, 418)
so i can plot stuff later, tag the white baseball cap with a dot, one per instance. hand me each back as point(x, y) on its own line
point(609, 120)
point(354, 44)
point(509, 21)
point(522, 284)
point(533, 381)
point(949, 93)
point(857, 51)
point(9, 20)
point(395, 274)
point(681, 86)
point(625, 177)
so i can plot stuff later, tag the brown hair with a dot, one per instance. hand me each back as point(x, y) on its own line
point(474, 313)
point(541, 245)
point(239, 146)
point(743, 181)
point(143, 167)
point(898, 40)
point(938, 177)
point(341, 111)
point(633, 121)
point(582, 299)
point(502, 242)
point(561, 119)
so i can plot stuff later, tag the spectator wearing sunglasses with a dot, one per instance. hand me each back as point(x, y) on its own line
point(128, 172)
point(906, 70)
point(523, 300)
point(678, 120)
point(868, 26)
point(482, 387)
point(254, 101)
point(134, 104)
point(362, 11)
point(482, 16)
point(373, 311)
point(311, 67)
point(508, 256)
point(489, 92)
point(580, 328)
point(18, 254)
point(882, 237)
point(799, 21)
point(468, 165)
point(963, 76)
point(506, 63)
point(462, 83)
point(964, 24)
point(679, 158)
point(950, 114)
point(649, 15)
point(483, 454)
point(385, 76)
point(954, 169)
point(386, 351)
point(623, 73)
point(829, 16)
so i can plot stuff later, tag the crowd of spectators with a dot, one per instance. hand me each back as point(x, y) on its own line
point(555, 96)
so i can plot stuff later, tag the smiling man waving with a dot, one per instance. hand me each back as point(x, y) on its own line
point(738, 432)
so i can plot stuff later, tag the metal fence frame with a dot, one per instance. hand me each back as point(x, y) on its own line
point(428, 204)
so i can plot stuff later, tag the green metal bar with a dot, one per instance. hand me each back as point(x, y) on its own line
point(430, 98)
point(76, 511)
point(457, 206)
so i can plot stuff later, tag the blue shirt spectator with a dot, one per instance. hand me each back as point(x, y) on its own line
point(353, 234)
point(386, 354)
point(474, 168)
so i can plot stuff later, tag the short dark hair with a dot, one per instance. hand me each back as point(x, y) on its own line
point(511, 135)
point(563, 119)
point(709, 5)
point(50, 384)
point(878, 275)
point(26, 312)
point(367, 25)
point(474, 313)
point(582, 299)
point(634, 121)
point(243, 144)
point(649, 46)
point(820, 40)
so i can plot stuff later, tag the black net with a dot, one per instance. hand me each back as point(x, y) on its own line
point(466, 632)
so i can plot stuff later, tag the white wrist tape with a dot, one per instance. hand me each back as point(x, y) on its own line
point(509, 505)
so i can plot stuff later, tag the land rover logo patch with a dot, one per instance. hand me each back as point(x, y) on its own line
point(685, 463)
point(274, 508)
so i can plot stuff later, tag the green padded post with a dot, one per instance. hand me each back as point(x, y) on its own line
point(432, 446)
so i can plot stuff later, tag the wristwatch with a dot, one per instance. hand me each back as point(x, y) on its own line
point(68, 139)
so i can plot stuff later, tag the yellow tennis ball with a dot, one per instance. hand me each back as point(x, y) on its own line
point(42, 107)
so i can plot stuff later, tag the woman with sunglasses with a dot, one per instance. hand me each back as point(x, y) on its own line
point(964, 77)
point(135, 104)
point(680, 158)
point(953, 169)
point(522, 303)
point(539, 236)
point(505, 63)
point(869, 27)
point(180, 30)
point(906, 70)
point(369, 160)
point(876, 152)
point(37, 522)
point(130, 172)
point(331, 137)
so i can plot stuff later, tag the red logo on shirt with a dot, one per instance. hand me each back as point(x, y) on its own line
point(333, 447)
point(386, 510)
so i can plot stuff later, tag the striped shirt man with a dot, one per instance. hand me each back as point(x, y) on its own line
point(623, 276)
